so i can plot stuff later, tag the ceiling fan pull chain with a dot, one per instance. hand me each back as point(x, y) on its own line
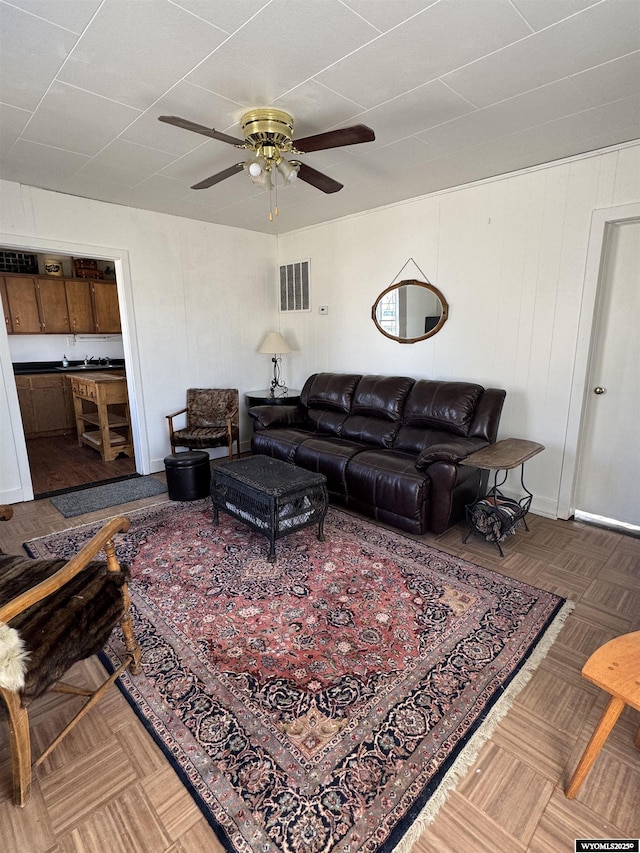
point(275, 183)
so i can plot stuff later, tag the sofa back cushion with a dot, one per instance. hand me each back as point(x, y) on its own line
point(442, 408)
point(376, 410)
point(327, 398)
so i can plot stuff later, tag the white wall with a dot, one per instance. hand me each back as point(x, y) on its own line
point(509, 256)
point(196, 300)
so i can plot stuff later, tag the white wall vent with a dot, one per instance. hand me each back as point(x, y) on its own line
point(294, 287)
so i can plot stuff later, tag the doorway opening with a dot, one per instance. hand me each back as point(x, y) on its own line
point(51, 457)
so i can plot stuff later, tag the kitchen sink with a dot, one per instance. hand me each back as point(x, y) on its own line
point(76, 367)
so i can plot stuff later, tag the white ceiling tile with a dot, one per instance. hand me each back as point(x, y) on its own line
point(315, 108)
point(31, 53)
point(421, 49)
point(550, 141)
point(543, 13)
point(393, 159)
point(226, 14)
point(386, 14)
point(74, 15)
point(133, 52)
point(186, 101)
point(77, 120)
point(157, 189)
point(598, 34)
point(611, 81)
point(40, 165)
point(12, 122)
point(533, 108)
point(248, 70)
point(208, 159)
point(88, 187)
point(126, 163)
point(408, 114)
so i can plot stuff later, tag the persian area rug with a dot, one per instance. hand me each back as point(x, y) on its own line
point(110, 494)
point(327, 701)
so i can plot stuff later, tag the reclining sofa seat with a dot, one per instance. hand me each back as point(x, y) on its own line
point(389, 446)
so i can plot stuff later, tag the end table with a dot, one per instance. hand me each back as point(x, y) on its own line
point(495, 516)
point(264, 398)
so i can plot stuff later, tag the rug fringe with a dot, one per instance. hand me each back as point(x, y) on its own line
point(467, 757)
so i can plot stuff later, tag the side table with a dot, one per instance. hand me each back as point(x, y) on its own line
point(495, 516)
point(264, 398)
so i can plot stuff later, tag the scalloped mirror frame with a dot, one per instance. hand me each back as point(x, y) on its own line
point(414, 282)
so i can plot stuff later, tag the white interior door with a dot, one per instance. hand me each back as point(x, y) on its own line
point(608, 481)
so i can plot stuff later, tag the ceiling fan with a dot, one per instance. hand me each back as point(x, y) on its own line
point(268, 136)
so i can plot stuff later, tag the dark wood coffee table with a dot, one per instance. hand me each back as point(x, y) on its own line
point(272, 497)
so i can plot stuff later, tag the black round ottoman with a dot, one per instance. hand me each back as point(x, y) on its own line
point(188, 475)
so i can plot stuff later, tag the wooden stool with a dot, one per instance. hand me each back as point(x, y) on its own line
point(615, 667)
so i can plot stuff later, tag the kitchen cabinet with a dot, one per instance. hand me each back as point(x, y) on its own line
point(52, 298)
point(106, 312)
point(47, 305)
point(101, 406)
point(22, 298)
point(46, 404)
point(80, 305)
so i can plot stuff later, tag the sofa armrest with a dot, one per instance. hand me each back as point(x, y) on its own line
point(275, 416)
point(449, 451)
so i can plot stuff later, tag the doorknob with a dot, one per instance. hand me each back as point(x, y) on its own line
point(599, 390)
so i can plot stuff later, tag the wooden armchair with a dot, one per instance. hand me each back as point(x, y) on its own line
point(212, 420)
point(54, 613)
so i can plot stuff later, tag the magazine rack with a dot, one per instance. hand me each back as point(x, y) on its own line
point(495, 516)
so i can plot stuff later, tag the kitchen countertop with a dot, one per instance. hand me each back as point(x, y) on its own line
point(20, 368)
point(96, 375)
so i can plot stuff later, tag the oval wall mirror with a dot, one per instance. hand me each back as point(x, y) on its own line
point(410, 311)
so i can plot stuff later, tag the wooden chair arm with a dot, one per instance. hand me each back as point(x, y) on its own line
point(175, 414)
point(102, 539)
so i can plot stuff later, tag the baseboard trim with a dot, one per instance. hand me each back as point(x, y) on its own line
point(607, 523)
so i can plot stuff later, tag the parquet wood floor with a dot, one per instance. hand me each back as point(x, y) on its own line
point(108, 788)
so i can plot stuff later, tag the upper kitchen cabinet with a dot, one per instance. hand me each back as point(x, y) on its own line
point(54, 314)
point(47, 305)
point(80, 306)
point(22, 300)
point(105, 307)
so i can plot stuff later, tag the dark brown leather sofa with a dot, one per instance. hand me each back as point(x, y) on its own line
point(389, 446)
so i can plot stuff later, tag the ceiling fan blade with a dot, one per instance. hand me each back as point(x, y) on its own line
point(185, 124)
point(220, 176)
point(353, 135)
point(318, 180)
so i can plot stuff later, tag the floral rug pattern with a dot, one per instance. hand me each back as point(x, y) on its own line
point(313, 704)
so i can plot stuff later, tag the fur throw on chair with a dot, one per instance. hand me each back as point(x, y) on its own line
point(13, 658)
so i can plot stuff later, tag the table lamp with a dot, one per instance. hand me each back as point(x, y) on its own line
point(276, 345)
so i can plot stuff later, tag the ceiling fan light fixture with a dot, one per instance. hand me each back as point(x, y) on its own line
point(257, 167)
point(288, 169)
point(262, 180)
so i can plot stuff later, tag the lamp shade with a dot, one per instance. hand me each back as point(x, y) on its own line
point(274, 343)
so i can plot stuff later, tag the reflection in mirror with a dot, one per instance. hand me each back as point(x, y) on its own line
point(410, 311)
